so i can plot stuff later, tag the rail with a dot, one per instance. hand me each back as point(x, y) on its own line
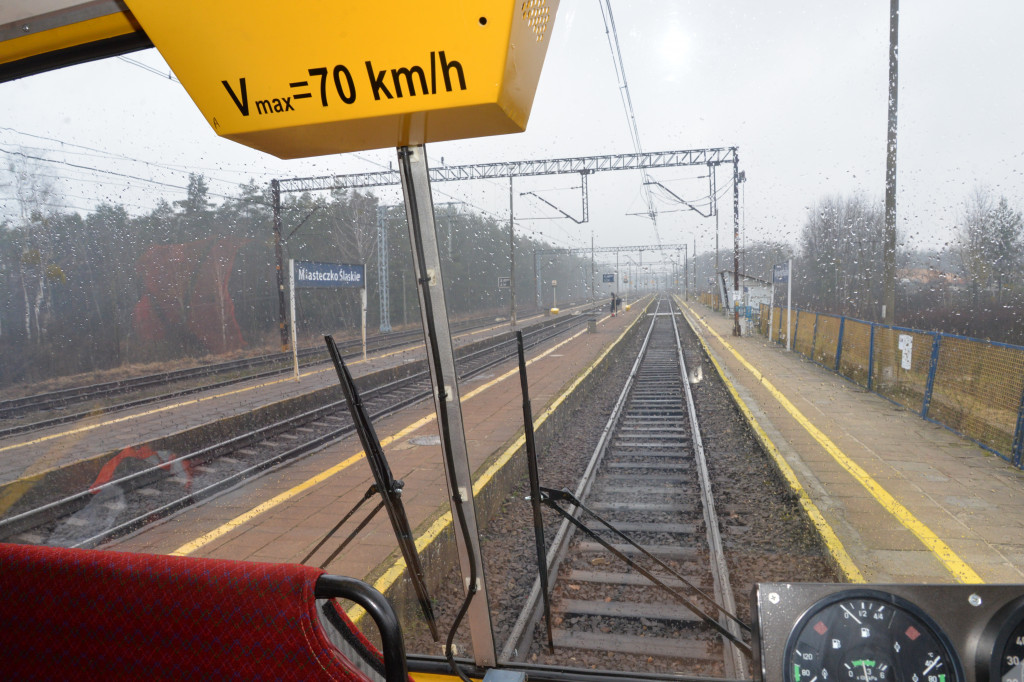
point(649, 476)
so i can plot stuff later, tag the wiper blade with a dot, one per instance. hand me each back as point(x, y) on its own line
point(389, 488)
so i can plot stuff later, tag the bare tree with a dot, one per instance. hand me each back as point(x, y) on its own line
point(842, 256)
point(34, 193)
point(989, 243)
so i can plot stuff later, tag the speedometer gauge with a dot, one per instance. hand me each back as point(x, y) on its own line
point(1001, 647)
point(869, 636)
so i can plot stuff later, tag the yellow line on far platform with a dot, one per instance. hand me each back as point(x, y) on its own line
point(242, 519)
point(943, 552)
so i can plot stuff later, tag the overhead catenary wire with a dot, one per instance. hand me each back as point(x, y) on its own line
point(627, 103)
point(146, 67)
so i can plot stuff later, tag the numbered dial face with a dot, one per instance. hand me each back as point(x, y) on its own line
point(1011, 655)
point(1001, 647)
point(867, 636)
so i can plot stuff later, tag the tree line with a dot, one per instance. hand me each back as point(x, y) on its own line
point(74, 287)
point(974, 286)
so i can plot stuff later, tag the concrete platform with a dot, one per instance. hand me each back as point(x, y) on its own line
point(907, 500)
point(282, 515)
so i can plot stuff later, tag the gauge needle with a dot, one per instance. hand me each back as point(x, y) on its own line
point(849, 613)
point(864, 664)
point(932, 665)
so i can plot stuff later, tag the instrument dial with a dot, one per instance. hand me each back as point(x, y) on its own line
point(869, 636)
point(1001, 648)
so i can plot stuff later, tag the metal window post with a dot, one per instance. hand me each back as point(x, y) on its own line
point(412, 163)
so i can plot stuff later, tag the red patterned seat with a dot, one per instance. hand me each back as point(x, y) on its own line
point(88, 614)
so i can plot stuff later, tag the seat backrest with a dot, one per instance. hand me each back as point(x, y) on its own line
point(88, 614)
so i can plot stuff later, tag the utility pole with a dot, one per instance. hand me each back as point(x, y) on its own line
point(275, 189)
point(889, 300)
point(736, 243)
point(714, 202)
point(512, 255)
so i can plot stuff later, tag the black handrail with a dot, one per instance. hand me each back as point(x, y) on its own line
point(383, 614)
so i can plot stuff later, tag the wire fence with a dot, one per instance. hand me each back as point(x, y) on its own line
point(971, 386)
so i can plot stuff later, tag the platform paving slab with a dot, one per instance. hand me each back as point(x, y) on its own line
point(968, 497)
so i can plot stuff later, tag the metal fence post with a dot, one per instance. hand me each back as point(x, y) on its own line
point(871, 357)
point(814, 336)
point(796, 332)
point(839, 344)
point(930, 384)
point(1017, 449)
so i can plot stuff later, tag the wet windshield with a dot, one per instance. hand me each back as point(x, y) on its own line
point(165, 291)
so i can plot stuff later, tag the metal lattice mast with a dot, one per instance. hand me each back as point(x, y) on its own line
point(384, 286)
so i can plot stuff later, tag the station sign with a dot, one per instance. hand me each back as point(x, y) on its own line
point(328, 275)
point(321, 77)
point(608, 279)
point(780, 273)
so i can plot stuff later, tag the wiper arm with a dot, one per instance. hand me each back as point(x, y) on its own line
point(550, 497)
point(389, 488)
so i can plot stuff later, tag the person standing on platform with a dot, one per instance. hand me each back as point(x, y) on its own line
point(613, 304)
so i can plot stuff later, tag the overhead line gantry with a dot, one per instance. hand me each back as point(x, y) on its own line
point(584, 165)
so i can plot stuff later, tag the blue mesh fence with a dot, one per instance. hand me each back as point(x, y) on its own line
point(971, 386)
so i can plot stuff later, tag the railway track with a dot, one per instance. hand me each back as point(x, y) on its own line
point(65, 406)
point(649, 480)
point(145, 486)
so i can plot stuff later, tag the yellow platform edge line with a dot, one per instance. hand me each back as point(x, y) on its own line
point(832, 542)
point(952, 562)
point(225, 528)
point(193, 401)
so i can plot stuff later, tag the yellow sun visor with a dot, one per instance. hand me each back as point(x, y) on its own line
point(318, 77)
point(40, 35)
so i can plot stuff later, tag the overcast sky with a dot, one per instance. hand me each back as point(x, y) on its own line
point(799, 87)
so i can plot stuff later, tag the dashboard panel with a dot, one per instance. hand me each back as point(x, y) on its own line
point(812, 632)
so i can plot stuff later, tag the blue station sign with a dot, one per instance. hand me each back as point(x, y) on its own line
point(309, 274)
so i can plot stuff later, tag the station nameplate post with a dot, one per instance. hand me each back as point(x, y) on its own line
point(310, 275)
